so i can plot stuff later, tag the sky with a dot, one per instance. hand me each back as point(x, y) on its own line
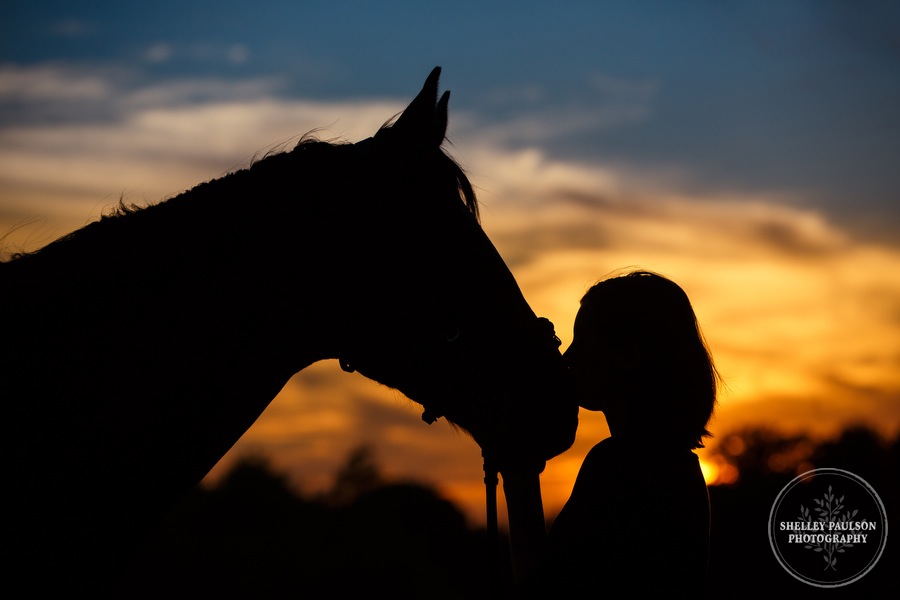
point(747, 150)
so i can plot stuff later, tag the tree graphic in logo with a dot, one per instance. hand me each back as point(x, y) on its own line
point(830, 513)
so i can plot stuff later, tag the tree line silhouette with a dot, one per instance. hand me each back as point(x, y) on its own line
point(741, 558)
point(253, 536)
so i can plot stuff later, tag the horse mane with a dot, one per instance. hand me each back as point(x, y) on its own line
point(463, 185)
point(308, 147)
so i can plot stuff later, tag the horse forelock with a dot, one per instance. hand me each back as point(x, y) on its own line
point(463, 185)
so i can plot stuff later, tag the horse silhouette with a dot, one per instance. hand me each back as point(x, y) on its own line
point(138, 349)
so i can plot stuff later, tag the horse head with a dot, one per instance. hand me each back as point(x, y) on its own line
point(442, 318)
point(392, 274)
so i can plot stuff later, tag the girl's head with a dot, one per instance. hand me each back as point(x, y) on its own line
point(638, 348)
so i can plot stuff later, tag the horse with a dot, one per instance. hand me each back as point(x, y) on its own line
point(138, 349)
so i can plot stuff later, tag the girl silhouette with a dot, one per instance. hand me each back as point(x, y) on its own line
point(638, 516)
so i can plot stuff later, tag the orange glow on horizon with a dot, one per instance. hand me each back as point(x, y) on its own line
point(718, 471)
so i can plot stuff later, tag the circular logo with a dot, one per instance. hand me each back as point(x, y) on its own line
point(828, 528)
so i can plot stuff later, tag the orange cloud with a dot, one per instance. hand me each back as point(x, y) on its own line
point(792, 306)
point(802, 317)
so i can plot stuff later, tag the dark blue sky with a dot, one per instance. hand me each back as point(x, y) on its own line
point(799, 97)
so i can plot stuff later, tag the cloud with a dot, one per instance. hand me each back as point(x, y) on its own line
point(163, 52)
point(94, 136)
point(74, 28)
point(64, 88)
point(793, 305)
point(533, 114)
point(159, 53)
point(238, 54)
point(52, 83)
point(160, 151)
point(802, 315)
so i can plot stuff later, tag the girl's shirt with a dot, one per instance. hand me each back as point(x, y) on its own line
point(637, 521)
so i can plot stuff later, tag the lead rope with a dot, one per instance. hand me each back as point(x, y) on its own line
point(491, 479)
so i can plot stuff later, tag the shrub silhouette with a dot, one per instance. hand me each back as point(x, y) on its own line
point(253, 536)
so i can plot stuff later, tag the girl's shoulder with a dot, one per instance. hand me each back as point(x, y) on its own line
point(636, 458)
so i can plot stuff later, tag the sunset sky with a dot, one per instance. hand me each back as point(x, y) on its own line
point(748, 150)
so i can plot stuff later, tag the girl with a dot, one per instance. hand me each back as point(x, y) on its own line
point(638, 516)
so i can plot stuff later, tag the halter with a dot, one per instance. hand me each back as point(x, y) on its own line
point(546, 330)
point(492, 473)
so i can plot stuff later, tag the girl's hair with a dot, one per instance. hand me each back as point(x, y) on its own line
point(658, 350)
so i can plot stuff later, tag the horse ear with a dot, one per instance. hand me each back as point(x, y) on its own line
point(425, 119)
point(439, 120)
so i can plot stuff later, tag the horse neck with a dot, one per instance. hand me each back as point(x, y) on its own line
point(208, 262)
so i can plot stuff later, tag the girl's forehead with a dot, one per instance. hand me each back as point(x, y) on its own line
point(587, 315)
point(587, 324)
